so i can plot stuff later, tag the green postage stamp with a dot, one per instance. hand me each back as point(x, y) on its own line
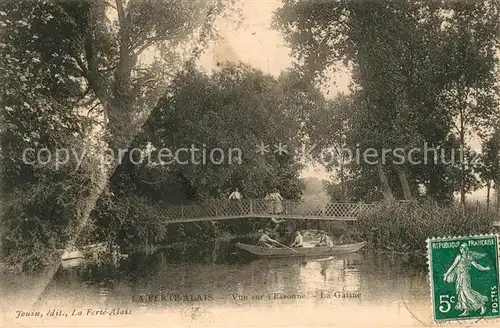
point(464, 277)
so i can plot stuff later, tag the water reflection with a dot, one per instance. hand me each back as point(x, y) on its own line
point(272, 278)
point(156, 284)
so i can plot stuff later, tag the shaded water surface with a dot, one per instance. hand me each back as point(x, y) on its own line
point(365, 289)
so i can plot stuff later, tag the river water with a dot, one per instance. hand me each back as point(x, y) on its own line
point(359, 290)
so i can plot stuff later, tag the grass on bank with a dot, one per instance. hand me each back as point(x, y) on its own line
point(399, 227)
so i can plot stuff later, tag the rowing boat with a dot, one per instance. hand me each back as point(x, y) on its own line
point(302, 251)
point(72, 258)
point(71, 255)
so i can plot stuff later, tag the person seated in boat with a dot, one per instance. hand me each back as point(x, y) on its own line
point(324, 240)
point(298, 241)
point(267, 241)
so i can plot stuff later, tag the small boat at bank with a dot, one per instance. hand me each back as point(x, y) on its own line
point(71, 258)
point(302, 251)
point(72, 255)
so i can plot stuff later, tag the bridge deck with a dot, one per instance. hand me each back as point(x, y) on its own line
point(257, 208)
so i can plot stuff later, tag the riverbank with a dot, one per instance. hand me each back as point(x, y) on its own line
point(396, 228)
point(403, 228)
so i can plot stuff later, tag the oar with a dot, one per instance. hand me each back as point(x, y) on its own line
point(287, 247)
point(326, 259)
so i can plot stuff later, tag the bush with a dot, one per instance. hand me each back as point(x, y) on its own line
point(404, 227)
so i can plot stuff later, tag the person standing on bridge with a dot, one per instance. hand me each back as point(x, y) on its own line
point(235, 197)
point(277, 200)
point(269, 203)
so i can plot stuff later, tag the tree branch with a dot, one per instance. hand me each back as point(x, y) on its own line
point(110, 3)
point(149, 42)
point(81, 64)
point(91, 109)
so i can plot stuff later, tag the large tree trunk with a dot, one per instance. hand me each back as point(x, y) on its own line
point(462, 158)
point(404, 182)
point(118, 115)
point(384, 183)
point(488, 192)
point(498, 197)
point(342, 181)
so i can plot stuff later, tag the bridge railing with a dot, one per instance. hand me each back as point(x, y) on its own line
point(262, 208)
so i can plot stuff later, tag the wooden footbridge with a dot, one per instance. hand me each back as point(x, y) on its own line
point(258, 208)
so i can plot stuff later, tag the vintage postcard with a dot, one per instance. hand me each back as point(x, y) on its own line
point(249, 163)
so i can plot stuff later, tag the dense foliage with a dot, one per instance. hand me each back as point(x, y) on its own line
point(235, 107)
point(97, 76)
point(74, 72)
point(423, 73)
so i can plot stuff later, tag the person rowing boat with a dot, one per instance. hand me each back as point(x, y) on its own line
point(267, 241)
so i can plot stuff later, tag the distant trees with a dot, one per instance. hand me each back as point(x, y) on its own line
point(237, 108)
point(423, 73)
point(490, 169)
point(234, 108)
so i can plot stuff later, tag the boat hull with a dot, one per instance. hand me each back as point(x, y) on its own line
point(302, 251)
point(72, 263)
point(72, 255)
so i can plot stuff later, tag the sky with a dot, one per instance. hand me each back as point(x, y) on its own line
point(255, 43)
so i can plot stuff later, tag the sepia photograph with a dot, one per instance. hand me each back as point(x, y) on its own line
point(250, 163)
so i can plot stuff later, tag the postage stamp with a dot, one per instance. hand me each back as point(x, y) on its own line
point(464, 277)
